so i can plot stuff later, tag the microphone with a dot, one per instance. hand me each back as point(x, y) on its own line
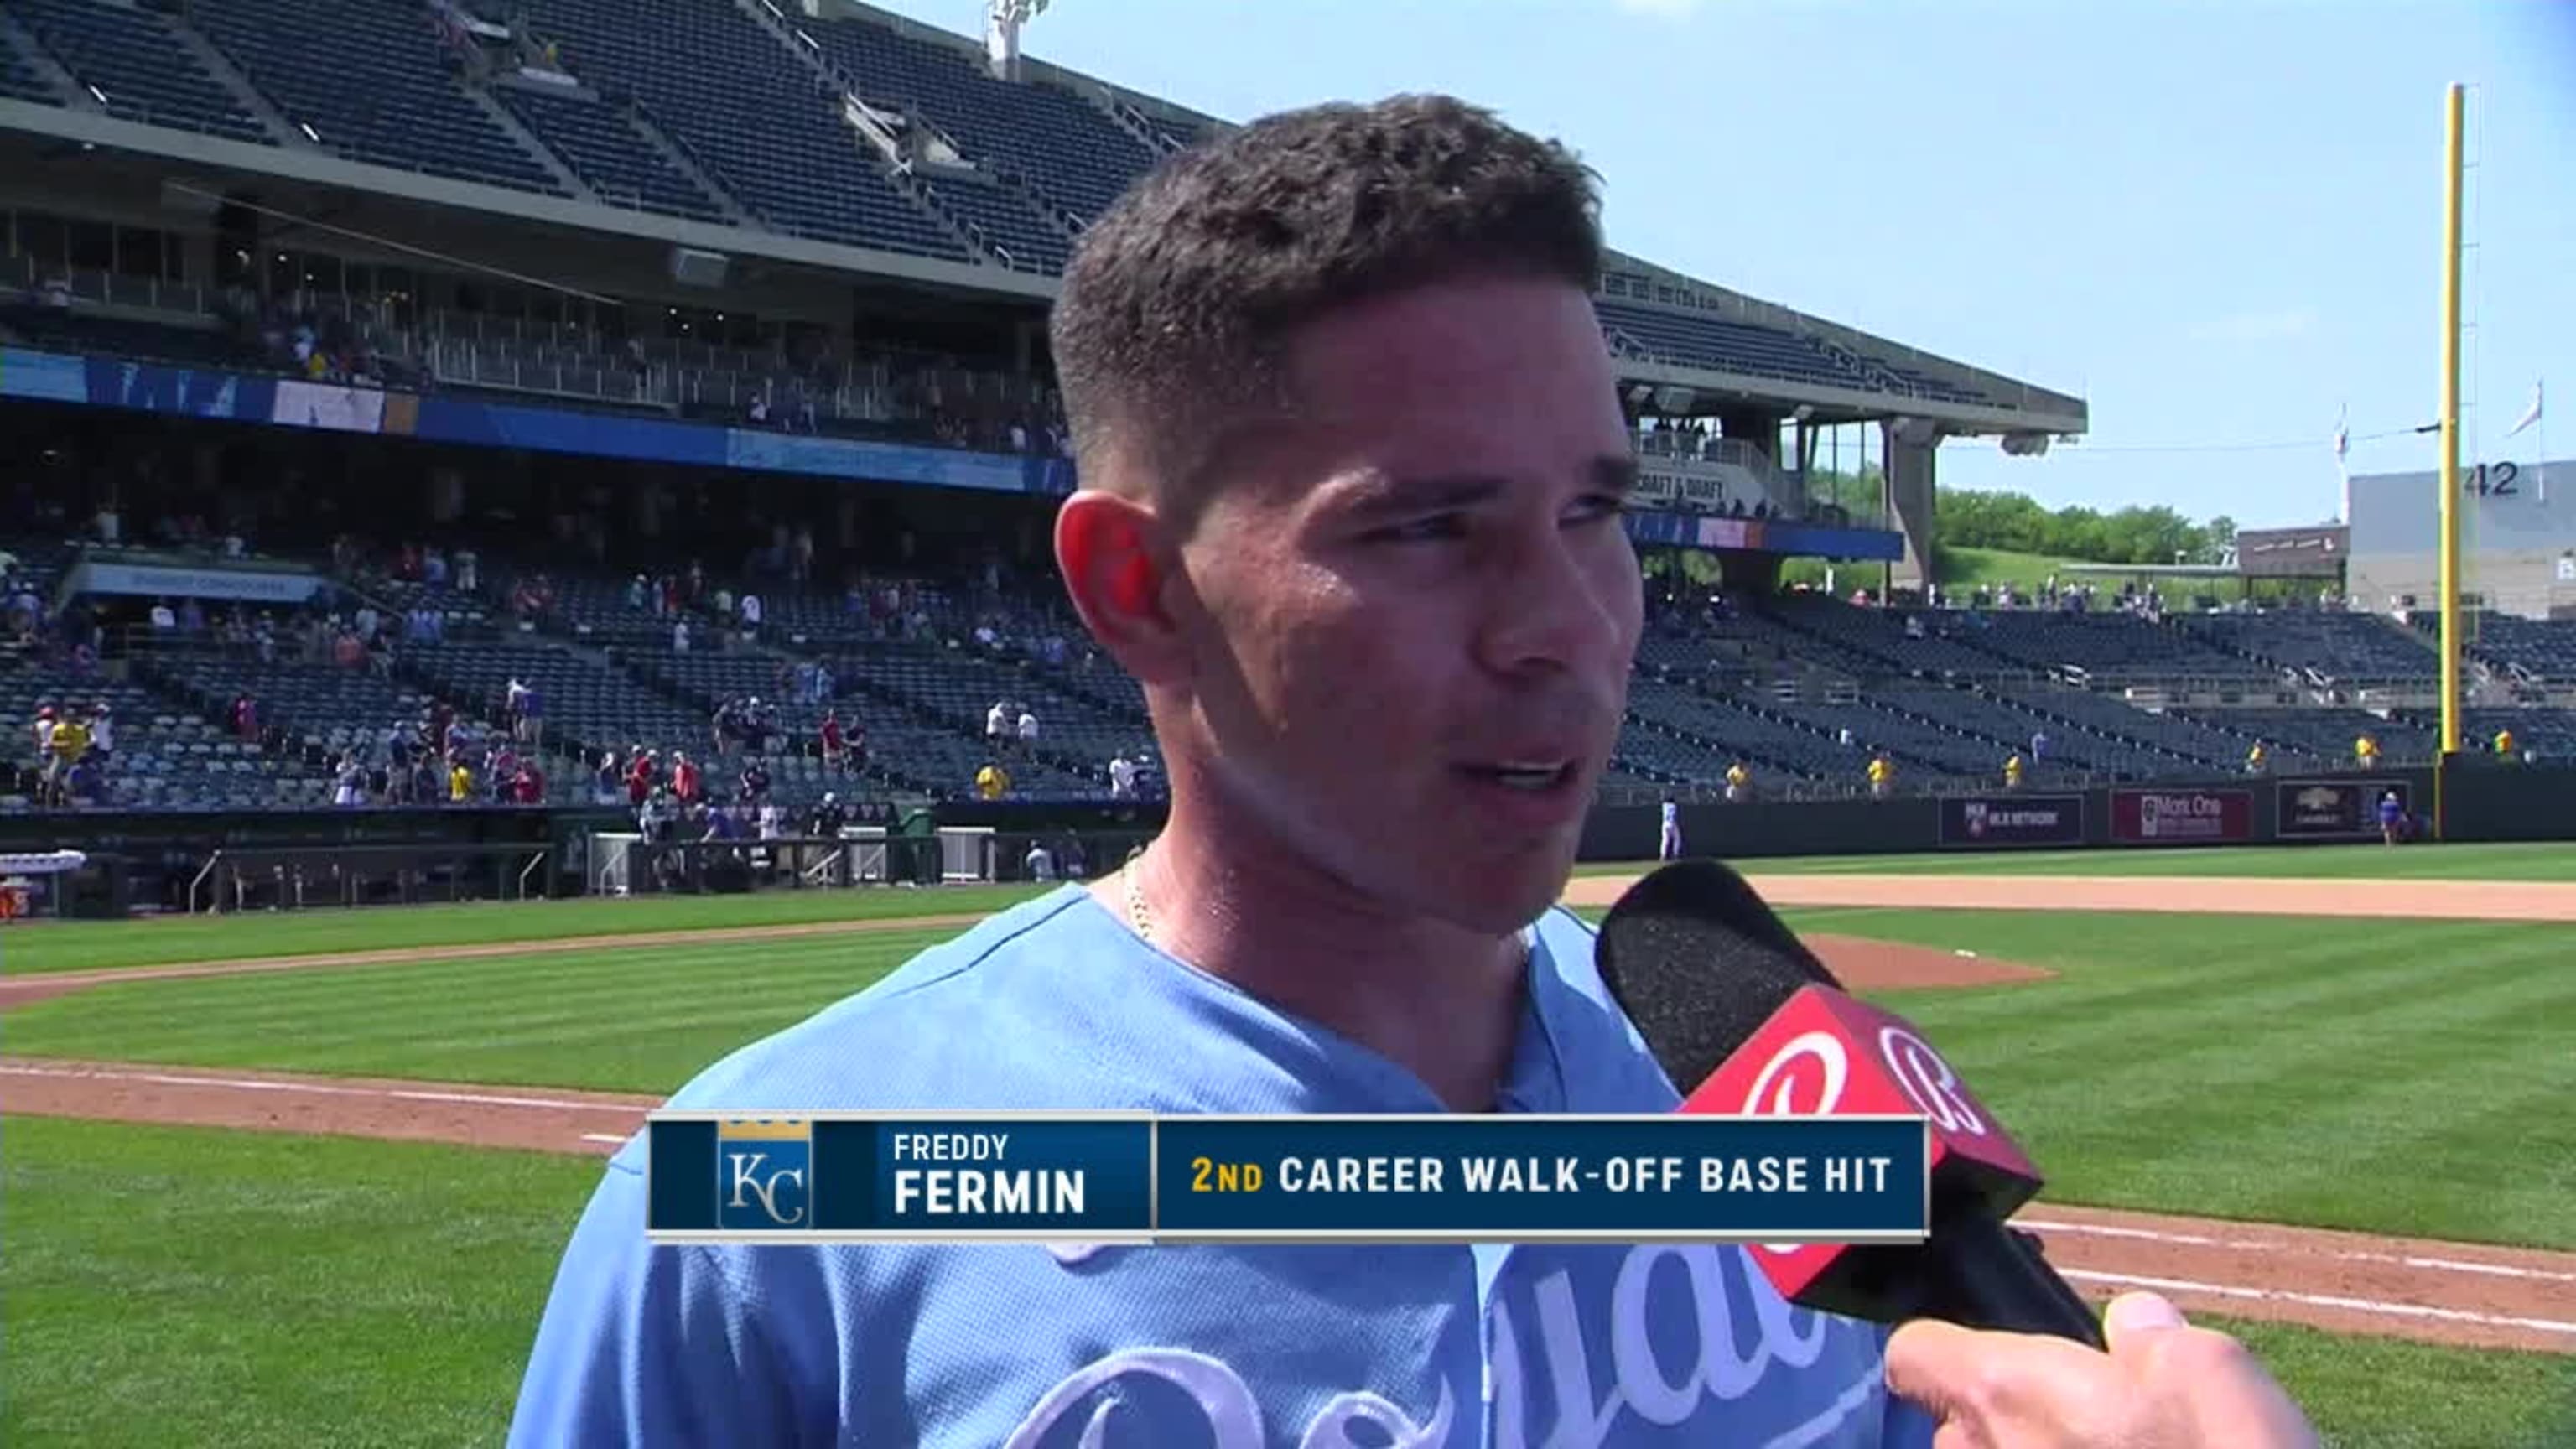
point(1727, 997)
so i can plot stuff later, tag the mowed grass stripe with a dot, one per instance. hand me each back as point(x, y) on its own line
point(257, 1289)
point(2245, 1070)
point(39, 947)
point(625, 1020)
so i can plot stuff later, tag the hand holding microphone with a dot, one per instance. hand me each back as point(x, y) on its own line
point(1993, 1343)
point(2163, 1385)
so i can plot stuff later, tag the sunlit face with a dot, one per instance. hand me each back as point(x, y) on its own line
point(1419, 605)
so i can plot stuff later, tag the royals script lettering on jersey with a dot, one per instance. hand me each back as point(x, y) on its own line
point(1055, 1005)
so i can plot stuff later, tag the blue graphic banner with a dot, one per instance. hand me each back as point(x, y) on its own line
point(1121, 1177)
point(480, 422)
point(1667, 529)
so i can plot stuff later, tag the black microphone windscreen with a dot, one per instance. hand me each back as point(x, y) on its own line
point(1698, 963)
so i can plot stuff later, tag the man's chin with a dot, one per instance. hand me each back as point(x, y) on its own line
point(1509, 896)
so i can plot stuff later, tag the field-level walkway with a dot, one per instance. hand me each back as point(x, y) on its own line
point(2437, 1292)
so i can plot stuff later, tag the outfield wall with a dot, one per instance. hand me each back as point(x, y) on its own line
point(2242, 810)
point(146, 861)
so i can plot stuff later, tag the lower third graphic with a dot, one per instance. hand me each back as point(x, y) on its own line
point(764, 1173)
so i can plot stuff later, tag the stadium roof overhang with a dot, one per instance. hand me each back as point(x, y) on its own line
point(47, 150)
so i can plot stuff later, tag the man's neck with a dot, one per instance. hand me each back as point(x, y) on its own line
point(1443, 1003)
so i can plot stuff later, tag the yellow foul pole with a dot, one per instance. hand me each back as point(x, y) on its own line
point(2450, 472)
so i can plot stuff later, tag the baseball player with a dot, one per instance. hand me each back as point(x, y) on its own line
point(1671, 848)
point(1353, 466)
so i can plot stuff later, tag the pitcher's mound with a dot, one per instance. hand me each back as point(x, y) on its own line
point(1862, 964)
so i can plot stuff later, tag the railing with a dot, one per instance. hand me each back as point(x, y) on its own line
point(349, 876)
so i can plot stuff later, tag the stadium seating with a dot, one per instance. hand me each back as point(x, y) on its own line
point(2543, 648)
point(2357, 650)
point(136, 66)
point(603, 147)
point(369, 79)
point(1694, 340)
point(1064, 148)
point(20, 80)
point(761, 127)
point(1949, 644)
point(2110, 647)
point(2324, 737)
point(168, 755)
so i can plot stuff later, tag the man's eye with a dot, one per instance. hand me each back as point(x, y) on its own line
point(1423, 530)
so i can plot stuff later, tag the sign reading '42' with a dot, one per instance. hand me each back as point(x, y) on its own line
point(2493, 480)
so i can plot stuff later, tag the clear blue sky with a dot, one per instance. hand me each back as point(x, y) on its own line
point(2219, 223)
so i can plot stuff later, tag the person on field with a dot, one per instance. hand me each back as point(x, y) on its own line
point(1353, 474)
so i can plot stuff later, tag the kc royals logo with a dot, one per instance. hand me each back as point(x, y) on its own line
point(764, 1173)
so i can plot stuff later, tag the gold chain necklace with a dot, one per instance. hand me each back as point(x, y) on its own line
point(1137, 915)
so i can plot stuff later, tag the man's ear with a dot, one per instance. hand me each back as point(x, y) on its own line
point(1116, 565)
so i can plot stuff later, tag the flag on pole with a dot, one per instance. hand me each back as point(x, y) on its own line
point(2530, 414)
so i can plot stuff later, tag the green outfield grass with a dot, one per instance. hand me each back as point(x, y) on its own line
point(254, 1289)
point(97, 945)
point(168, 1286)
point(37, 947)
point(629, 1019)
point(2396, 1076)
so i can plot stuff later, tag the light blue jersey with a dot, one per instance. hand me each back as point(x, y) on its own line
point(1056, 1005)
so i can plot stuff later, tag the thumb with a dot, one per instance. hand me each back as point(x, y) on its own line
point(1934, 1364)
point(2132, 1316)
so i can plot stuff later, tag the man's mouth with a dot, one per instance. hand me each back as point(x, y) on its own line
point(1535, 776)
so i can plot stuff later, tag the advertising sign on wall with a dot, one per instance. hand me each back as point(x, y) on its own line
point(2335, 809)
point(1994, 821)
point(2182, 817)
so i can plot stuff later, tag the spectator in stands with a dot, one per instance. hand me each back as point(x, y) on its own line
point(1882, 775)
point(833, 748)
point(605, 780)
point(1122, 778)
point(350, 789)
point(1028, 729)
point(69, 743)
point(830, 817)
point(2038, 745)
point(755, 781)
point(641, 776)
point(2365, 752)
point(102, 733)
point(460, 780)
point(992, 782)
point(997, 724)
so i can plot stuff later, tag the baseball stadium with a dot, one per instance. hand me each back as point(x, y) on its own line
point(529, 568)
